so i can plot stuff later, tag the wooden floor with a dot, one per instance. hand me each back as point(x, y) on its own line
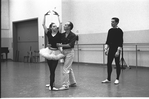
point(20, 79)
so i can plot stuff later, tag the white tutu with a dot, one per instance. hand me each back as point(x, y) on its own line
point(51, 54)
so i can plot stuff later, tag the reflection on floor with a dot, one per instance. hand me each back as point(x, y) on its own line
point(29, 80)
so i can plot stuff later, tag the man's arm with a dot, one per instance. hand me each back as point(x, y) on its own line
point(120, 42)
point(70, 44)
point(119, 49)
point(106, 46)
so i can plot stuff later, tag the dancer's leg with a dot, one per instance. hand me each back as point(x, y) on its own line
point(52, 66)
point(118, 68)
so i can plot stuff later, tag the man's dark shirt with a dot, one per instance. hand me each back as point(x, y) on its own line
point(115, 37)
point(70, 39)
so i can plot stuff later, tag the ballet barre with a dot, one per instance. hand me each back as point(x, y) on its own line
point(127, 47)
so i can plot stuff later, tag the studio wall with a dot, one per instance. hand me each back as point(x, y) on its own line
point(94, 16)
point(92, 20)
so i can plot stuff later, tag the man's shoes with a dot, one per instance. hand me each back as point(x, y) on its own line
point(73, 85)
point(116, 82)
point(64, 88)
point(106, 81)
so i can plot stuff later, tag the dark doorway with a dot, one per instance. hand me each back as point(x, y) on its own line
point(25, 39)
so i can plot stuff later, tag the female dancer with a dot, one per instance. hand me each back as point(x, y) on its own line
point(52, 53)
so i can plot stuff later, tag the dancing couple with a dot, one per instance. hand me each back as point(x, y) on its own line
point(60, 47)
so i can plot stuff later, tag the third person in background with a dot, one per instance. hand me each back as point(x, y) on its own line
point(113, 48)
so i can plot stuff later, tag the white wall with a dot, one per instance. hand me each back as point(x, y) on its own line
point(28, 9)
point(5, 14)
point(6, 41)
point(94, 16)
point(94, 53)
point(92, 20)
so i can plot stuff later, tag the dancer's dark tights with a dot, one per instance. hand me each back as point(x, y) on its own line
point(52, 67)
point(111, 56)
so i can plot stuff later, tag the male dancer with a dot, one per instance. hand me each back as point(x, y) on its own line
point(113, 48)
point(68, 42)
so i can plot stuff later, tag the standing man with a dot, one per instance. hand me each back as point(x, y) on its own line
point(113, 48)
point(68, 42)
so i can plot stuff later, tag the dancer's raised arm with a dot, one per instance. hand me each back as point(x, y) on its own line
point(44, 22)
point(60, 23)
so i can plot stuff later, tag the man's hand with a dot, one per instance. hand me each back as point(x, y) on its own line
point(59, 45)
point(117, 53)
point(119, 49)
point(106, 48)
point(106, 51)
